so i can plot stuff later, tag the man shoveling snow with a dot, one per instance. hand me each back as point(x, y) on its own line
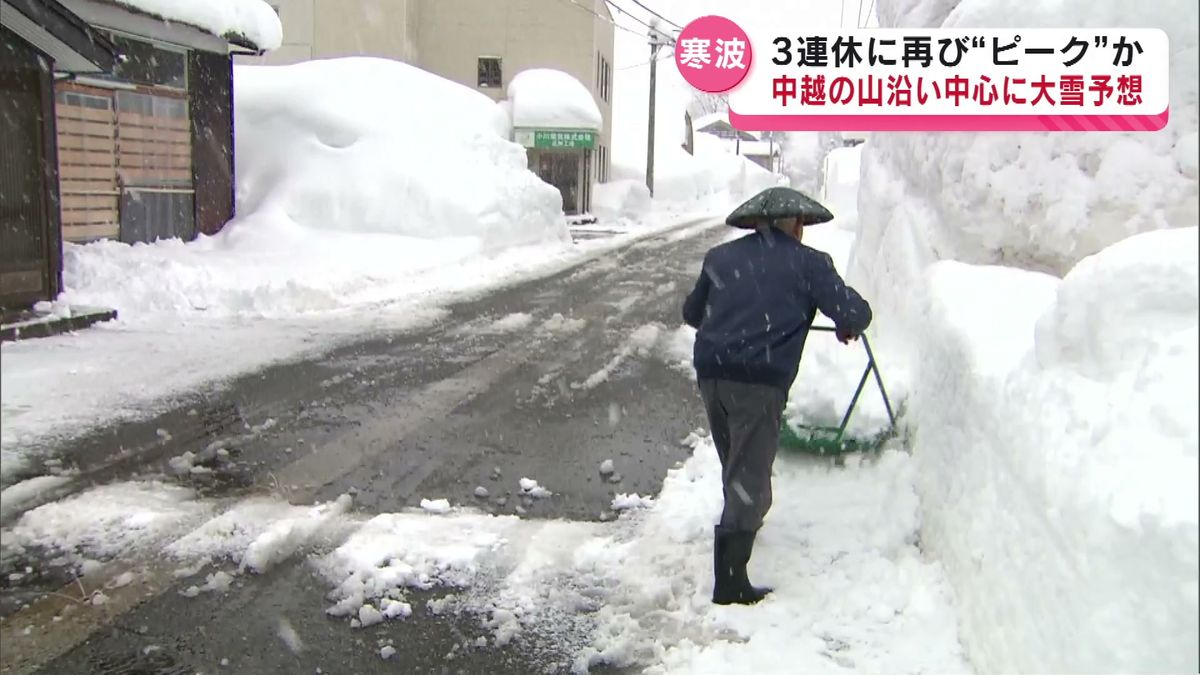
point(752, 306)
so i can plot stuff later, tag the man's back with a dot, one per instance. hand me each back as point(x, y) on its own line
point(754, 302)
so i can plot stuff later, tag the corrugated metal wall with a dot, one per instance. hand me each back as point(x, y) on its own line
point(211, 79)
point(26, 273)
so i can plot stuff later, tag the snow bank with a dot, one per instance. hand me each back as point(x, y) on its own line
point(839, 185)
point(713, 179)
point(1053, 422)
point(325, 145)
point(253, 20)
point(348, 193)
point(620, 199)
point(547, 98)
point(1056, 437)
point(852, 593)
point(1039, 201)
point(105, 522)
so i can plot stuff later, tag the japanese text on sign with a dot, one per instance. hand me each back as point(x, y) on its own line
point(1101, 78)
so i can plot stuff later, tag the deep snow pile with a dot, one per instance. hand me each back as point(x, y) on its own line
point(253, 20)
point(346, 193)
point(1056, 436)
point(839, 185)
point(552, 99)
point(1053, 422)
point(1039, 201)
point(620, 199)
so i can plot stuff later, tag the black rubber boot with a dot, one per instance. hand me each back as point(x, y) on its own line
point(731, 554)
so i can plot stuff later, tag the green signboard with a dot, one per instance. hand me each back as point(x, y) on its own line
point(550, 138)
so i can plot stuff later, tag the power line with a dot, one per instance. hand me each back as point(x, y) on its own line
point(603, 18)
point(670, 39)
point(867, 20)
point(639, 4)
point(664, 56)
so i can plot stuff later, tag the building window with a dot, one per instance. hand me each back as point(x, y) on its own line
point(489, 71)
point(606, 87)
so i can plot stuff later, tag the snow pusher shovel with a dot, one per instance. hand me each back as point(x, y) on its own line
point(826, 440)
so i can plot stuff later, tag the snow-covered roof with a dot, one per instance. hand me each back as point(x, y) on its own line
point(710, 119)
point(250, 23)
point(757, 148)
point(546, 98)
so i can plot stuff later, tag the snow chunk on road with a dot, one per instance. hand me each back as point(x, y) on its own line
point(107, 521)
point(394, 552)
point(625, 502)
point(219, 581)
point(369, 616)
point(530, 487)
point(259, 533)
point(289, 636)
point(551, 99)
point(435, 506)
point(13, 496)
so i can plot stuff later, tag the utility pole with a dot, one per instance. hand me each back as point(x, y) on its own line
point(655, 45)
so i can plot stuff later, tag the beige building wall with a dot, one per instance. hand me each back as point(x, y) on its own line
point(319, 29)
point(524, 34)
point(447, 37)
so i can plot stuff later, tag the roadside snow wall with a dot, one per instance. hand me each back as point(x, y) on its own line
point(1052, 400)
point(372, 145)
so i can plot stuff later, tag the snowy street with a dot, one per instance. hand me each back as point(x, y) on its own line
point(535, 382)
point(536, 337)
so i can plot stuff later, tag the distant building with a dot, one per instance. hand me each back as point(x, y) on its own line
point(764, 153)
point(480, 44)
point(115, 124)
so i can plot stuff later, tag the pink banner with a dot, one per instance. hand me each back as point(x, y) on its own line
point(949, 122)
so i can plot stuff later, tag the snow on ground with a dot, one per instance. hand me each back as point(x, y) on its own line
point(253, 20)
point(852, 589)
point(1058, 457)
point(551, 99)
point(12, 497)
point(323, 160)
point(121, 519)
point(153, 356)
point(620, 199)
point(1052, 401)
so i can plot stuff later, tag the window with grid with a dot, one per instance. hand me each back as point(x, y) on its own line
point(489, 71)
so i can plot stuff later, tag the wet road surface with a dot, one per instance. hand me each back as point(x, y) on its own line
point(546, 379)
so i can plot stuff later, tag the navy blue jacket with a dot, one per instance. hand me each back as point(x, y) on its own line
point(754, 303)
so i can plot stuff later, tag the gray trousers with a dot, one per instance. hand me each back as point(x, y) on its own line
point(744, 419)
